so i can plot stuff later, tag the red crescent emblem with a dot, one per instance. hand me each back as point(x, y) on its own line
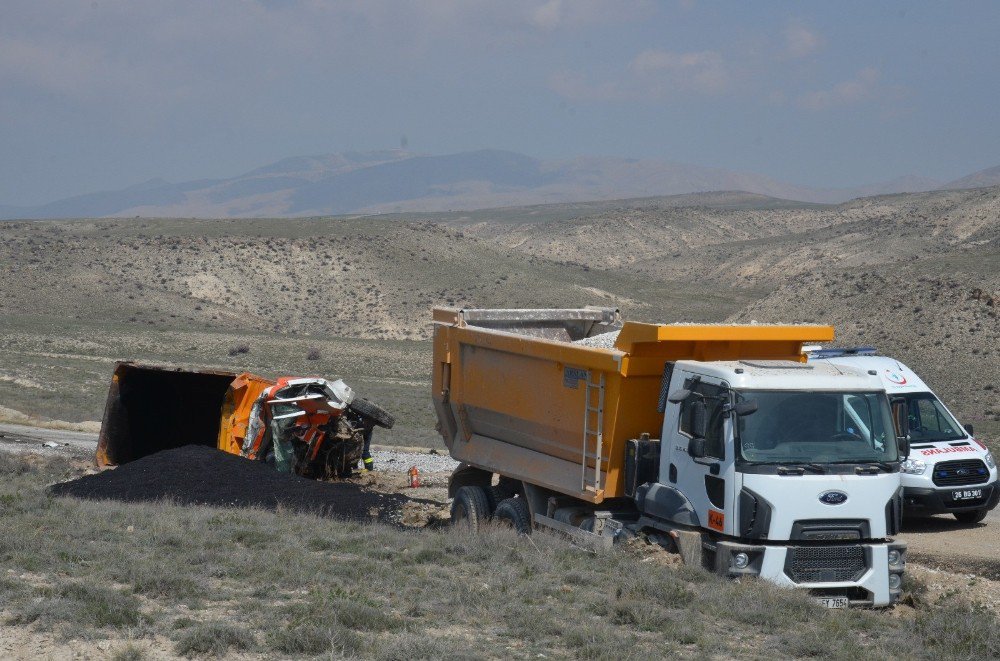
point(895, 377)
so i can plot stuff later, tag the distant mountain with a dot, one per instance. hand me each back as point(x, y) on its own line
point(981, 179)
point(395, 181)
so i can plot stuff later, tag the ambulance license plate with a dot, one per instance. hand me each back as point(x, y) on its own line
point(833, 602)
point(967, 494)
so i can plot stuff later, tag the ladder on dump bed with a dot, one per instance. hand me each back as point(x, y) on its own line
point(593, 433)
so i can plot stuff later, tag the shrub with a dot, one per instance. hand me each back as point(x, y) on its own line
point(214, 639)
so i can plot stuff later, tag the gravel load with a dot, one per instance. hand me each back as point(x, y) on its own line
point(201, 475)
point(602, 341)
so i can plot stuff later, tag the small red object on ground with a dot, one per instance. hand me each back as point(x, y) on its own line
point(414, 477)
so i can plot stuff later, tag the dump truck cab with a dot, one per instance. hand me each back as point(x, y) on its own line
point(948, 470)
point(784, 463)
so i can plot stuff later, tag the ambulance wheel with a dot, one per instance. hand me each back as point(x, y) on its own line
point(971, 517)
point(471, 508)
point(514, 512)
point(373, 411)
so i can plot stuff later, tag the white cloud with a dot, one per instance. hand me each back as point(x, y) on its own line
point(800, 41)
point(85, 49)
point(555, 14)
point(547, 15)
point(704, 71)
point(863, 87)
point(652, 74)
point(574, 86)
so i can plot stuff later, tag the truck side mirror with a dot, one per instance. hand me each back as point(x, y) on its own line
point(900, 416)
point(696, 448)
point(697, 418)
point(901, 420)
point(678, 396)
point(746, 407)
point(968, 428)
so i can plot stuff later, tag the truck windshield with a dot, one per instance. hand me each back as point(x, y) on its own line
point(816, 427)
point(930, 420)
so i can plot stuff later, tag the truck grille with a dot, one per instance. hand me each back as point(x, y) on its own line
point(825, 564)
point(957, 473)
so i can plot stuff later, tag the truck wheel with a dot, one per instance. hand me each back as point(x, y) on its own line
point(470, 508)
point(514, 513)
point(373, 411)
point(969, 518)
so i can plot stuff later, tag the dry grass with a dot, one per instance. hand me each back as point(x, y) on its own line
point(219, 582)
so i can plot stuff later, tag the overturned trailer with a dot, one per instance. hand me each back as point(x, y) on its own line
point(310, 426)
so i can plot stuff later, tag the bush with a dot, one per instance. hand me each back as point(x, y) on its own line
point(214, 639)
point(81, 605)
point(313, 354)
point(239, 349)
point(129, 652)
point(960, 630)
point(312, 639)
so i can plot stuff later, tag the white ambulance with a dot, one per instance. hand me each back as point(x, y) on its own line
point(948, 471)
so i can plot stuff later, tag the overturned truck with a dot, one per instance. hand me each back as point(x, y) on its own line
point(310, 426)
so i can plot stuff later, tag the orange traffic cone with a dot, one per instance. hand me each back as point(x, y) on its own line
point(414, 477)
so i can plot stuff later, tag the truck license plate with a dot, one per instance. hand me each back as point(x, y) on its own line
point(967, 494)
point(833, 602)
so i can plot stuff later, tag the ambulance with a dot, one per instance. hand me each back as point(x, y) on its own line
point(948, 470)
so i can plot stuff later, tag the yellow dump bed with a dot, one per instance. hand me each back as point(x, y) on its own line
point(533, 394)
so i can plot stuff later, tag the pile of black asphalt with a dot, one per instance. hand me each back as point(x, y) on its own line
point(200, 475)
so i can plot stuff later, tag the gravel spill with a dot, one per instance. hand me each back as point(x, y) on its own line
point(392, 461)
point(200, 475)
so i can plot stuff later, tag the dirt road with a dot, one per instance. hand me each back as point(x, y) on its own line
point(944, 543)
point(19, 438)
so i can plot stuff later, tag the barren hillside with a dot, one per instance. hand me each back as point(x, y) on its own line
point(914, 274)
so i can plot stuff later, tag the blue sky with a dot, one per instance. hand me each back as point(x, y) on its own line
point(105, 94)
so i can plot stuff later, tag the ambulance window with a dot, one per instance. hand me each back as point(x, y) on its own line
point(929, 421)
point(929, 417)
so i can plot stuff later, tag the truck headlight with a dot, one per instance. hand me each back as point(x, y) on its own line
point(895, 580)
point(990, 461)
point(914, 466)
point(894, 557)
point(741, 560)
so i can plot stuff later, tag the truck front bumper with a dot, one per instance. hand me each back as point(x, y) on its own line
point(860, 572)
point(924, 501)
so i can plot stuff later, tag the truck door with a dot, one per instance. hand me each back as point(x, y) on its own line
point(705, 481)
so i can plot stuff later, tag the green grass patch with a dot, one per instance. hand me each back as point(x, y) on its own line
point(219, 582)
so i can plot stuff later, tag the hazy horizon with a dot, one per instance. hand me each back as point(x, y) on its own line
point(103, 95)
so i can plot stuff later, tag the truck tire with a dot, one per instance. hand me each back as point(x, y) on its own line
point(470, 508)
point(972, 517)
point(514, 513)
point(373, 411)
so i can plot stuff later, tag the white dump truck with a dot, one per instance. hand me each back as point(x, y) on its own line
point(718, 439)
point(948, 471)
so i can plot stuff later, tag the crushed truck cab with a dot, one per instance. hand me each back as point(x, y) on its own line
point(750, 460)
